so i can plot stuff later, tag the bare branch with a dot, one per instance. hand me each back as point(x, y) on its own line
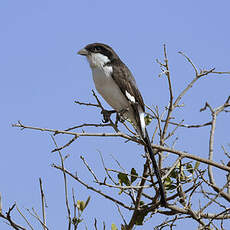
point(87, 125)
point(138, 199)
point(190, 61)
point(24, 217)
point(43, 204)
point(91, 188)
point(9, 219)
point(160, 148)
point(90, 170)
point(65, 184)
point(36, 216)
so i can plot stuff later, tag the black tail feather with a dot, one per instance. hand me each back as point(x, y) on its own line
point(156, 170)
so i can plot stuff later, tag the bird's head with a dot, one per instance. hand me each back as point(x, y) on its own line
point(98, 54)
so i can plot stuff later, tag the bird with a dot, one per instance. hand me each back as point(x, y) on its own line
point(116, 84)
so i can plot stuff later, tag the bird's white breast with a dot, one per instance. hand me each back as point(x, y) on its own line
point(108, 89)
point(104, 82)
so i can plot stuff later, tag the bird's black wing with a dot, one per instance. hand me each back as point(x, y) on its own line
point(126, 82)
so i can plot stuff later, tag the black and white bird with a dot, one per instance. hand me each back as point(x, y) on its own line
point(116, 84)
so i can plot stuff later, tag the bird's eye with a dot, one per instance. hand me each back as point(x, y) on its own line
point(97, 49)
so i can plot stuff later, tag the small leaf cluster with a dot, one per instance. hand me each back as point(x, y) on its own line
point(125, 179)
point(81, 206)
point(182, 172)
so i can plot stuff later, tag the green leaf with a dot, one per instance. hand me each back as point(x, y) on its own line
point(182, 175)
point(121, 191)
point(114, 227)
point(197, 165)
point(148, 119)
point(171, 187)
point(80, 205)
point(174, 173)
point(167, 182)
point(133, 175)
point(87, 201)
point(123, 179)
point(142, 203)
point(189, 168)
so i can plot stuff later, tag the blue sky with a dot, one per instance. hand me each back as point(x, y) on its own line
point(41, 76)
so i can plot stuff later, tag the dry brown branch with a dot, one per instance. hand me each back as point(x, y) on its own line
point(211, 200)
point(36, 216)
point(90, 169)
point(170, 108)
point(74, 210)
point(92, 188)
point(23, 216)
point(43, 204)
point(8, 218)
point(125, 136)
point(165, 70)
point(138, 199)
point(87, 125)
point(184, 181)
point(214, 113)
point(106, 169)
point(66, 145)
point(180, 124)
point(65, 185)
point(176, 209)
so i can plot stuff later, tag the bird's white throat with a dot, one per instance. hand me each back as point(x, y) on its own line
point(97, 60)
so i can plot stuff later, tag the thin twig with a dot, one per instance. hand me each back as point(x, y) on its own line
point(74, 210)
point(105, 168)
point(89, 168)
point(158, 147)
point(9, 219)
point(36, 216)
point(43, 204)
point(24, 218)
point(65, 184)
point(138, 199)
point(87, 125)
point(92, 188)
point(66, 145)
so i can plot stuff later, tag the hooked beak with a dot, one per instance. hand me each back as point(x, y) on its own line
point(83, 52)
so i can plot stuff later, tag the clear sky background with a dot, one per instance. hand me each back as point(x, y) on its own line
point(41, 75)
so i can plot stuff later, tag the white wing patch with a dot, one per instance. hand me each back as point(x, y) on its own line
point(142, 120)
point(130, 97)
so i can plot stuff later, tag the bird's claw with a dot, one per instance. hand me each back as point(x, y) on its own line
point(120, 114)
point(120, 118)
point(106, 115)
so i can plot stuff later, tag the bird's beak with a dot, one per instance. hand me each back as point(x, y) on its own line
point(83, 52)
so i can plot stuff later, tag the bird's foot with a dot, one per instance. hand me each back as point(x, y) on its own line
point(120, 114)
point(120, 118)
point(106, 115)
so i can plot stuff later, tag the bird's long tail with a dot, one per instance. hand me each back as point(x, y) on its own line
point(141, 129)
point(156, 169)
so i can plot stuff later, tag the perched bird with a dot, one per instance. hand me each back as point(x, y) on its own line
point(116, 84)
